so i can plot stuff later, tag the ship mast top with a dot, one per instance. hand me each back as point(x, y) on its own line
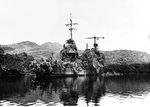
point(71, 24)
point(95, 38)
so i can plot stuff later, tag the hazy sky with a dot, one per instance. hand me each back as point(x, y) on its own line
point(125, 24)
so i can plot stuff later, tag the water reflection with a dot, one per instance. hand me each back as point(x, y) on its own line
point(12, 88)
point(128, 86)
point(72, 91)
point(68, 90)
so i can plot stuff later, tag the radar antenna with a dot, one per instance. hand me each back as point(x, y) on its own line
point(95, 38)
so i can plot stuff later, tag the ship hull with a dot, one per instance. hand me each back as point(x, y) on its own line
point(69, 69)
point(77, 71)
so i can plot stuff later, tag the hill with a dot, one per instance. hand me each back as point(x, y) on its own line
point(37, 51)
point(47, 49)
point(25, 45)
point(55, 47)
point(6, 48)
point(19, 47)
point(126, 57)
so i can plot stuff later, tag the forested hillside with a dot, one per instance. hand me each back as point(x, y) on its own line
point(47, 49)
point(37, 51)
point(126, 57)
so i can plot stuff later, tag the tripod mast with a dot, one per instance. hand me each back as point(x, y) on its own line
point(71, 24)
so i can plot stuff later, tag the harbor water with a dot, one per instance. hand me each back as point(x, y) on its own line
point(104, 91)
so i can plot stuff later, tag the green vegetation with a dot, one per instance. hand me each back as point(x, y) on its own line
point(20, 57)
point(15, 64)
point(33, 49)
point(126, 62)
point(127, 68)
point(1, 51)
point(42, 67)
point(122, 57)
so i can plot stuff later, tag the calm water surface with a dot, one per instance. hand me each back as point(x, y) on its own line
point(131, 90)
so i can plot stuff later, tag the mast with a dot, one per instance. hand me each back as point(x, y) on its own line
point(71, 24)
point(86, 45)
point(95, 38)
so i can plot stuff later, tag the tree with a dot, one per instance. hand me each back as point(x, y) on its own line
point(1, 51)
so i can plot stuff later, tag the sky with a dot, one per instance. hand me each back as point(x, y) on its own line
point(125, 24)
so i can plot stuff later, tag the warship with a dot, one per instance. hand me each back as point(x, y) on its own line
point(93, 59)
point(69, 64)
point(90, 62)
